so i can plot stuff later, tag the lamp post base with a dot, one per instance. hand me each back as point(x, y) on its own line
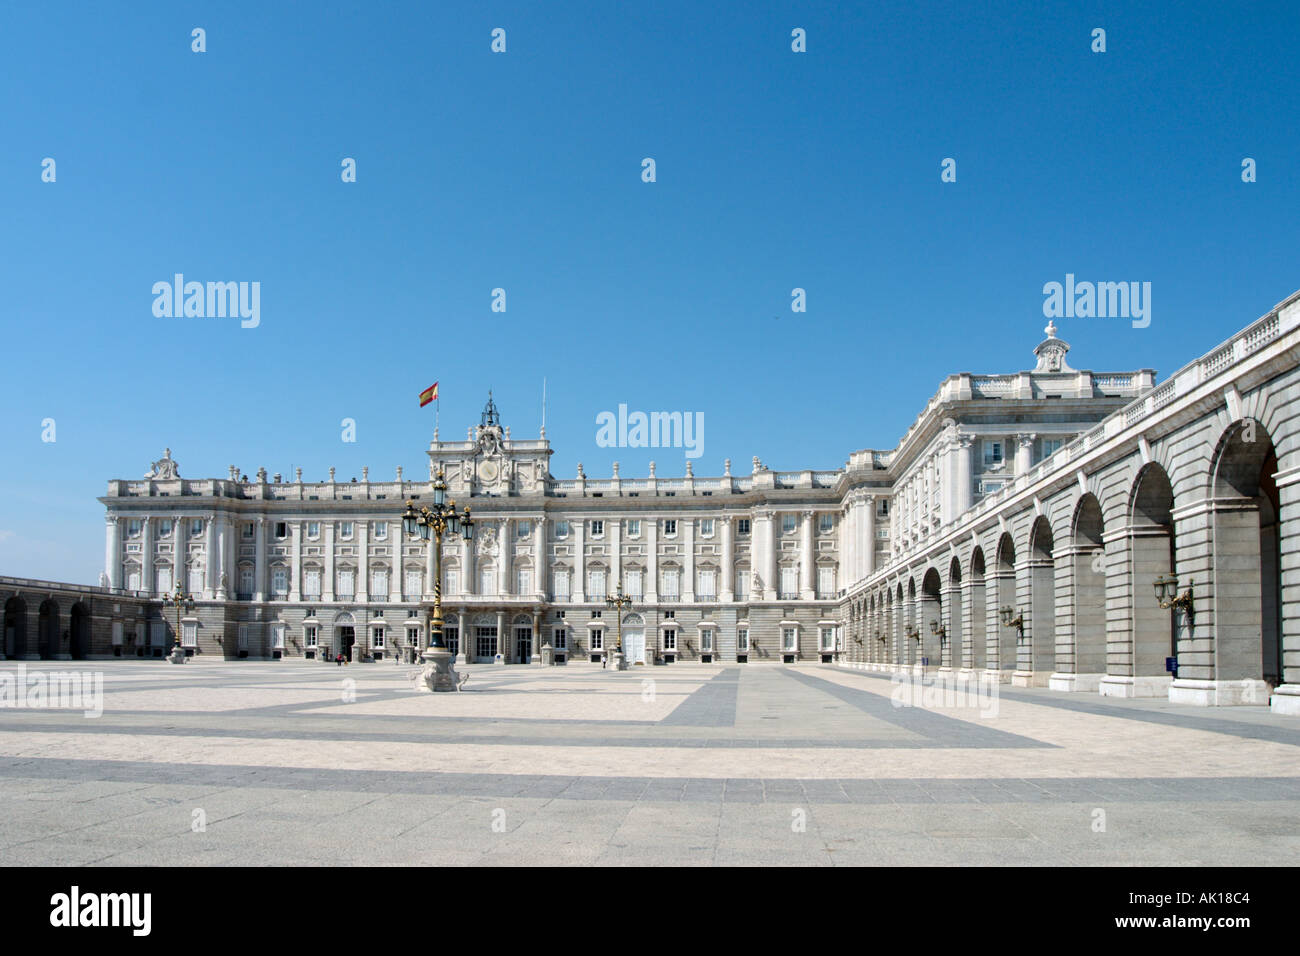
point(177, 656)
point(619, 660)
point(439, 672)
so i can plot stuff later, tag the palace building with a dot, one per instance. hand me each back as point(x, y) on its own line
point(1028, 527)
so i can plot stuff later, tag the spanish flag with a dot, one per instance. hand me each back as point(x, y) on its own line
point(429, 394)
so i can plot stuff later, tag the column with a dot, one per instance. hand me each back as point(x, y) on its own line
point(210, 559)
point(964, 492)
point(396, 587)
point(363, 561)
point(468, 579)
point(295, 561)
point(770, 555)
point(850, 530)
point(579, 586)
point(807, 591)
point(327, 586)
point(867, 559)
point(180, 567)
point(146, 556)
point(503, 644)
point(229, 542)
point(504, 585)
point(615, 532)
point(727, 586)
point(652, 562)
point(688, 561)
point(1024, 452)
point(113, 550)
point(466, 638)
point(536, 655)
point(259, 559)
point(543, 583)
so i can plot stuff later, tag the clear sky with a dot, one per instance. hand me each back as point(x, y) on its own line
point(523, 171)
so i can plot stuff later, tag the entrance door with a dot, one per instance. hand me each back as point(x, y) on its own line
point(485, 644)
point(634, 646)
point(524, 642)
point(347, 637)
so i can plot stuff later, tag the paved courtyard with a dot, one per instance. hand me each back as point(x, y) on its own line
point(300, 762)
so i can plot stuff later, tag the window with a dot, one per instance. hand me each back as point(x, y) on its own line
point(279, 581)
point(883, 508)
point(133, 528)
point(524, 581)
point(634, 527)
point(413, 584)
point(670, 527)
point(248, 530)
point(670, 640)
point(245, 580)
point(450, 637)
point(828, 638)
point(165, 528)
point(596, 615)
point(561, 529)
point(742, 584)
point(522, 528)
point(311, 583)
point(742, 640)
point(560, 638)
point(189, 633)
point(598, 529)
point(825, 581)
point(789, 582)
point(787, 524)
point(708, 585)
point(133, 579)
point(597, 638)
point(634, 584)
point(487, 579)
point(196, 527)
point(826, 522)
point(281, 529)
point(309, 636)
point(560, 585)
point(596, 585)
point(277, 637)
point(196, 580)
point(347, 584)
point(706, 527)
point(706, 641)
point(313, 530)
point(413, 636)
point(450, 582)
point(378, 637)
point(379, 584)
point(670, 614)
point(1051, 445)
point(789, 639)
point(992, 454)
point(243, 637)
point(345, 529)
point(381, 530)
point(669, 590)
point(742, 526)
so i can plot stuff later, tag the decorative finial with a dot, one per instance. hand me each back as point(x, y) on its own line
point(1051, 329)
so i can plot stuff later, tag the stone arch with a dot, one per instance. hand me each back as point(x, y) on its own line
point(1152, 636)
point(930, 617)
point(15, 628)
point(953, 647)
point(79, 632)
point(1087, 650)
point(1038, 650)
point(48, 636)
point(1004, 594)
point(1247, 556)
point(975, 612)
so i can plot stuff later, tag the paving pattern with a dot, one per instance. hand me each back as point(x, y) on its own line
point(306, 763)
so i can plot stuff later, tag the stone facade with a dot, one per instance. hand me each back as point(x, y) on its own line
point(1051, 497)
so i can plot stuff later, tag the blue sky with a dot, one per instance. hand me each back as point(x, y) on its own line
point(522, 171)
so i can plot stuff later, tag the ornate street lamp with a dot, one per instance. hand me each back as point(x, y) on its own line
point(433, 523)
point(183, 602)
point(1005, 614)
point(1167, 596)
point(621, 602)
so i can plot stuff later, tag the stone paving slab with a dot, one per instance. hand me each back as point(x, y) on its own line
point(691, 765)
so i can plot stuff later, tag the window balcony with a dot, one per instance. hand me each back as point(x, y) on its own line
point(787, 595)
